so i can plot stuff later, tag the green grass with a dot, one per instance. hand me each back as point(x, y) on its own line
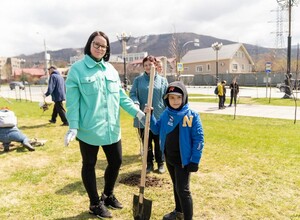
point(249, 170)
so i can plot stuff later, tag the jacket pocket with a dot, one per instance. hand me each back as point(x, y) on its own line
point(112, 85)
point(89, 85)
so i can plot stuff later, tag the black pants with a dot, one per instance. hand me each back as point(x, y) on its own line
point(89, 154)
point(232, 97)
point(221, 101)
point(58, 109)
point(181, 189)
point(157, 152)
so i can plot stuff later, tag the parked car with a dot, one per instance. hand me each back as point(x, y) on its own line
point(295, 85)
point(14, 84)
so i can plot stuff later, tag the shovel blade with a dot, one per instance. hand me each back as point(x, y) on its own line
point(141, 211)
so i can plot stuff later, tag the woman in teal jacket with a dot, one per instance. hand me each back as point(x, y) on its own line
point(93, 99)
point(139, 95)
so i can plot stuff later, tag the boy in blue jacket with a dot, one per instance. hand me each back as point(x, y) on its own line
point(182, 141)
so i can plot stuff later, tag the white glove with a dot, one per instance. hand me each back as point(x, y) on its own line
point(70, 136)
point(44, 96)
point(141, 116)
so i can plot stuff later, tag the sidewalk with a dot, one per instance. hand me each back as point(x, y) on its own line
point(265, 111)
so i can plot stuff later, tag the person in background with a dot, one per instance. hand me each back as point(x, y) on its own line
point(224, 93)
point(182, 141)
point(94, 98)
point(57, 90)
point(159, 67)
point(221, 94)
point(234, 91)
point(139, 95)
point(10, 132)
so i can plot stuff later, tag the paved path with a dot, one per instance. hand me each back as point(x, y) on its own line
point(266, 111)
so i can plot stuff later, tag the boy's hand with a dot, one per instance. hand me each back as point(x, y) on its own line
point(192, 167)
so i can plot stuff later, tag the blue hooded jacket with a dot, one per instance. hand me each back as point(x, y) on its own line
point(56, 87)
point(191, 135)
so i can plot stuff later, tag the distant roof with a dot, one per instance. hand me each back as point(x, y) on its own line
point(208, 54)
point(31, 71)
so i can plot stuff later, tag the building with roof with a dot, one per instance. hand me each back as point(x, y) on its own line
point(232, 58)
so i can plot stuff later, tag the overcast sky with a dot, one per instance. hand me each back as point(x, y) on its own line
point(25, 24)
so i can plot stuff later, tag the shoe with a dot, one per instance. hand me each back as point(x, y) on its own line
point(51, 121)
point(174, 215)
point(229, 105)
point(28, 146)
point(100, 211)
point(161, 168)
point(65, 124)
point(149, 167)
point(111, 201)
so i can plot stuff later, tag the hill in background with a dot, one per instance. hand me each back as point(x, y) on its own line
point(157, 45)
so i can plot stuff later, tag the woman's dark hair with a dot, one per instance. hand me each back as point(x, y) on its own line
point(150, 58)
point(87, 48)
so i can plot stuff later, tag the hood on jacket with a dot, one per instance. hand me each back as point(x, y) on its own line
point(176, 87)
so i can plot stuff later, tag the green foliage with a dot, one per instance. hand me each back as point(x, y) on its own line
point(249, 170)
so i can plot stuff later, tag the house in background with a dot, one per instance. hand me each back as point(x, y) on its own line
point(232, 59)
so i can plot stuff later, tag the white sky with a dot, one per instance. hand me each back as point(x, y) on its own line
point(68, 23)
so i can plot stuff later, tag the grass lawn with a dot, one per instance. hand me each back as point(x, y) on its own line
point(249, 170)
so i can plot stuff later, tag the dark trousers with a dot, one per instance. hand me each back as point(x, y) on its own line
point(58, 109)
point(89, 154)
point(221, 101)
point(232, 97)
point(181, 189)
point(157, 152)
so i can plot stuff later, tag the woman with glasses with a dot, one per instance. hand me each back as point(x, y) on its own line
point(93, 99)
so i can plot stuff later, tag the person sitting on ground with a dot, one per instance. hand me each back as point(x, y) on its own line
point(9, 131)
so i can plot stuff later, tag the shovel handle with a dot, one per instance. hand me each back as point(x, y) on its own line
point(146, 135)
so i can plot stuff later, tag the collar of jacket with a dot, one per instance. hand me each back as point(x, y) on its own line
point(90, 63)
point(147, 77)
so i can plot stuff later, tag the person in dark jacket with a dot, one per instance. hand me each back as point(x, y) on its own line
point(182, 141)
point(57, 90)
point(234, 91)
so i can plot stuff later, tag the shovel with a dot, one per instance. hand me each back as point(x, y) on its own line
point(141, 206)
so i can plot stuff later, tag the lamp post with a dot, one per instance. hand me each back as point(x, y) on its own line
point(123, 38)
point(46, 56)
point(216, 47)
point(179, 64)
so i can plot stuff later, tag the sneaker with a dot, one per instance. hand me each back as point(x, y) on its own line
point(65, 124)
point(28, 146)
point(174, 215)
point(100, 211)
point(51, 121)
point(149, 168)
point(111, 201)
point(161, 168)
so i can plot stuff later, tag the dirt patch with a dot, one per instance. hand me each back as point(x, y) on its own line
point(151, 181)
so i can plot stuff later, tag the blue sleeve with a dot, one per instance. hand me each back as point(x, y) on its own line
point(133, 92)
point(154, 125)
point(197, 139)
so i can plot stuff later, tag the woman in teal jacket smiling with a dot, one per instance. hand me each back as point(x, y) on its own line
point(93, 99)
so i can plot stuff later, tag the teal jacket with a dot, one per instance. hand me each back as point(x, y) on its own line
point(93, 99)
point(139, 94)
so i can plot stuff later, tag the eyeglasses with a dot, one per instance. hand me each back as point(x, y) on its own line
point(97, 45)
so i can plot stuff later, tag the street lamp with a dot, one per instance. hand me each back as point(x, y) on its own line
point(216, 47)
point(196, 44)
point(47, 56)
point(123, 38)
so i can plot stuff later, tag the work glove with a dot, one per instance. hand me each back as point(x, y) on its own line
point(70, 136)
point(192, 167)
point(141, 116)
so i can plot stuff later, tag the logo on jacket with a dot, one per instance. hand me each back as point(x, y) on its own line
point(187, 121)
point(171, 120)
